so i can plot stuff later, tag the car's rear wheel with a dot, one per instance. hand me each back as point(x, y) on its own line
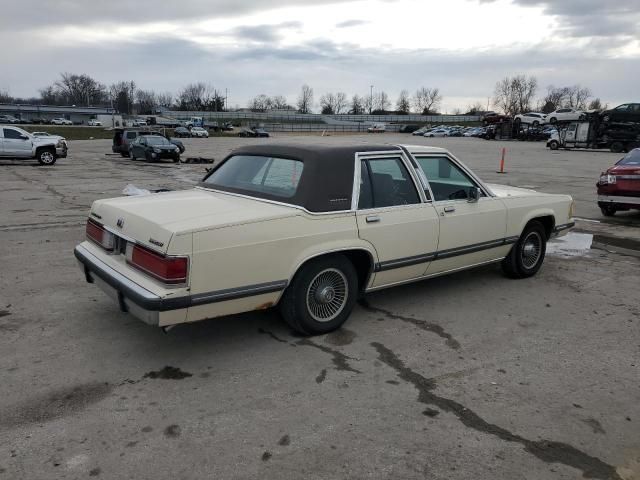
point(527, 255)
point(321, 296)
point(617, 147)
point(124, 154)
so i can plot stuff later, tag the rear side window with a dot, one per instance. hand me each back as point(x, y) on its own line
point(272, 176)
point(131, 135)
point(385, 182)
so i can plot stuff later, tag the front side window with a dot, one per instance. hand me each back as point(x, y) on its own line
point(385, 182)
point(10, 133)
point(632, 158)
point(447, 180)
point(267, 175)
point(622, 108)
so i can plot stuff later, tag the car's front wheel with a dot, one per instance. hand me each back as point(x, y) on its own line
point(608, 210)
point(46, 156)
point(554, 145)
point(321, 296)
point(527, 255)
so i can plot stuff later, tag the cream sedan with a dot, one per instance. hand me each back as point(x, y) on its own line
point(309, 229)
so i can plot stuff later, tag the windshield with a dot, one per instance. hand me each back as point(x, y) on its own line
point(632, 158)
point(156, 140)
point(259, 175)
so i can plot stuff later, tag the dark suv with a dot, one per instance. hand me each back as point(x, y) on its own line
point(491, 118)
point(627, 112)
point(122, 138)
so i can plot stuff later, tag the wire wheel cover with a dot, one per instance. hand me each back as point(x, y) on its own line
point(531, 250)
point(327, 295)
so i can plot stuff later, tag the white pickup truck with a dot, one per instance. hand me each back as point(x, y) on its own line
point(18, 143)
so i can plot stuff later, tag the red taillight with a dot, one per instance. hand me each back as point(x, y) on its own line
point(98, 234)
point(172, 270)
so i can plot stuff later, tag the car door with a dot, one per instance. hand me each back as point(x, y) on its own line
point(395, 217)
point(472, 231)
point(16, 143)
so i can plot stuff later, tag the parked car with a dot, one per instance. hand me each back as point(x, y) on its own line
point(122, 138)
point(153, 148)
point(8, 119)
point(566, 115)
point(199, 132)
point(253, 132)
point(491, 118)
point(227, 127)
point(438, 132)
point(182, 132)
point(94, 123)
point(619, 186)
point(261, 132)
point(377, 128)
point(421, 131)
point(530, 118)
point(300, 228)
point(408, 128)
point(138, 122)
point(18, 143)
point(628, 112)
point(61, 121)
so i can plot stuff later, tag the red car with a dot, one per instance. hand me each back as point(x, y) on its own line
point(619, 186)
point(491, 118)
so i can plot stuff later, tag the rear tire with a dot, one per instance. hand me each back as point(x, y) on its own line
point(526, 256)
point(617, 147)
point(124, 154)
point(321, 296)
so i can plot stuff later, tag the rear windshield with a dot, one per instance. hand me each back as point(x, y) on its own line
point(632, 158)
point(258, 175)
point(156, 140)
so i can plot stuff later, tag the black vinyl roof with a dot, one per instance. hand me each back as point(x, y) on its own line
point(326, 183)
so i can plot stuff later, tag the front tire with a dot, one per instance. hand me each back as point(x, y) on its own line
point(526, 256)
point(608, 210)
point(321, 296)
point(46, 156)
point(554, 145)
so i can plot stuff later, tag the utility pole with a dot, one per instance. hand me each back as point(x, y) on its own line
point(226, 99)
point(371, 101)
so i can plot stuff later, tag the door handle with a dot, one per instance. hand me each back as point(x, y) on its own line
point(449, 209)
point(373, 218)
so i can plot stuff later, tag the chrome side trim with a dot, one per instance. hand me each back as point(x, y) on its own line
point(425, 277)
point(565, 226)
point(240, 292)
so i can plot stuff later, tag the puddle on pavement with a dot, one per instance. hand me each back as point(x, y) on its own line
point(570, 245)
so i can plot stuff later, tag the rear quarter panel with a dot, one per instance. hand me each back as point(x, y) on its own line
point(521, 210)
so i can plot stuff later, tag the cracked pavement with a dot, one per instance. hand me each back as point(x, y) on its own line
point(467, 376)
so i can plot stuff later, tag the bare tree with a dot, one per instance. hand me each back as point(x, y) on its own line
point(260, 103)
point(333, 103)
point(403, 105)
point(357, 105)
point(146, 102)
point(165, 99)
point(475, 108)
point(427, 100)
point(596, 104)
point(515, 95)
point(305, 100)
point(80, 89)
point(577, 97)
point(198, 96)
point(5, 97)
point(122, 95)
point(367, 102)
point(554, 99)
point(279, 102)
point(381, 102)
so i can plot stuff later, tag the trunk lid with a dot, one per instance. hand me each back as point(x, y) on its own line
point(155, 218)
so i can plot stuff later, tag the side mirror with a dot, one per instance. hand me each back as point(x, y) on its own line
point(474, 194)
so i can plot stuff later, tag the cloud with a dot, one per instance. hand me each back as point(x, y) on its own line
point(263, 33)
point(351, 23)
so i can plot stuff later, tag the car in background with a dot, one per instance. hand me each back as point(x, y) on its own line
point(491, 118)
point(408, 128)
point(473, 132)
point(94, 123)
point(8, 119)
point(182, 132)
point(122, 137)
point(619, 186)
point(253, 132)
point(254, 233)
point(227, 127)
point(153, 148)
point(377, 128)
point(420, 131)
point(438, 132)
point(566, 115)
point(531, 118)
point(138, 122)
point(199, 132)
point(627, 112)
point(60, 121)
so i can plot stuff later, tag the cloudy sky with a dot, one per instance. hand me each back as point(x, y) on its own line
point(274, 46)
